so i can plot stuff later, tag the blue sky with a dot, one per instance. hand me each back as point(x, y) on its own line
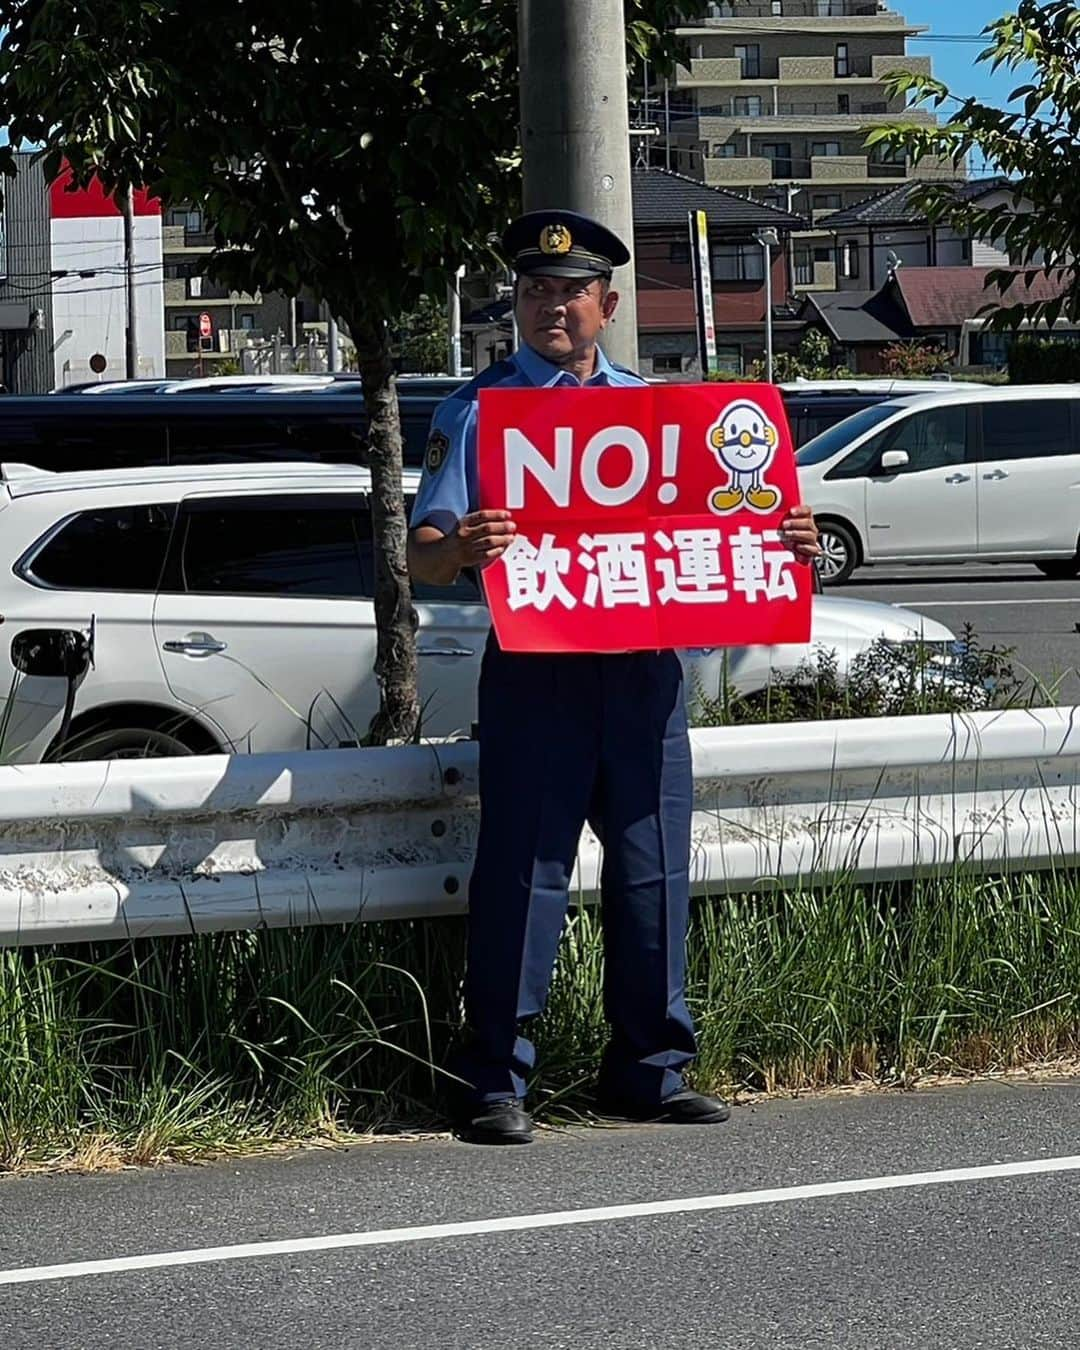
point(954, 61)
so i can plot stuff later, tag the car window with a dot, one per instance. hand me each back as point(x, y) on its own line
point(464, 591)
point(80, 439)
point(833, 440)
point(1027, 429)
point(252, 546)
point(210, 440)
point(932, 439)
point(121, 548)
point(415, 429)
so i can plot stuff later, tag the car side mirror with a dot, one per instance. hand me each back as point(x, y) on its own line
point(51, 652)
point(892, 460)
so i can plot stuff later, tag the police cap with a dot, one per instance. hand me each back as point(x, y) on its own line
point(562, 244)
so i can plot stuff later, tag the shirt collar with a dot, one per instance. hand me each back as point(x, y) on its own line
point(545, 375)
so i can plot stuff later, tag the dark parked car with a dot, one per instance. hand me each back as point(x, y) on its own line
point(109, 431)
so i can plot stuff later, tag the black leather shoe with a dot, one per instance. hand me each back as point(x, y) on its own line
point(683, 1107)
point(502, 1122)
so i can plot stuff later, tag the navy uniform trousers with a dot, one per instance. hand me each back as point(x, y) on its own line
point(564, 739)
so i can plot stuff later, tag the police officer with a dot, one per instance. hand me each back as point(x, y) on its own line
point(567, 738)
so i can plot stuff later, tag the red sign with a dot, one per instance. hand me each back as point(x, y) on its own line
point(206, 327)
point(647, 518)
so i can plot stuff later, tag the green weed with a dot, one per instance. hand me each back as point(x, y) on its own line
point(187, 1047)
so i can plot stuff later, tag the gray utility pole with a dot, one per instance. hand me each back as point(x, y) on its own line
point(131, 343)
point(768, 239)
point(575, 129)
point(453, 322)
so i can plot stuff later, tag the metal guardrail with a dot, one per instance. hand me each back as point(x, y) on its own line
point(156, 847)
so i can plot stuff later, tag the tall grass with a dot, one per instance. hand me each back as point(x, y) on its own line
point(183, 1047)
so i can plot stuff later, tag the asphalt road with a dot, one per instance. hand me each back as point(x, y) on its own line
point(943, 1261)
point(1008, 605)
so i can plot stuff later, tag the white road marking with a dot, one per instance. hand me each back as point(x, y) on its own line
point(523, 1222)
point(975, 604)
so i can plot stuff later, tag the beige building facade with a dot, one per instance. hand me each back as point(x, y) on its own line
point(776, 102)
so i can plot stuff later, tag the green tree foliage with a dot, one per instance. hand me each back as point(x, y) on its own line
point(1035, 142)
point(423, 338)
point(814, 360)
point(361, 149)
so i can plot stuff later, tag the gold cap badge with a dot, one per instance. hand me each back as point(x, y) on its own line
point(555, 239)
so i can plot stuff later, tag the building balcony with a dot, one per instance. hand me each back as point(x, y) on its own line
point(795, 69)
point(814, 276)
point(839, 168)
point(718, 123)
point(792, 9)
point(197, 291)
point(852, 16)
point(881, 66)
point(721, 70)
point(747, 171)
point(933, 167)
point(225, 342)
point(176, 239)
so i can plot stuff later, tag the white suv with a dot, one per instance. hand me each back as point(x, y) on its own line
point(986, 475)
point(230, 608)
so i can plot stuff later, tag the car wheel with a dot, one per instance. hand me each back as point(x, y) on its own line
point(1060, 569)
point(839, 553)
point(122, 743)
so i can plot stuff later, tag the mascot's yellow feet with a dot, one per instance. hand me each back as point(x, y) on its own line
point(763, 498)
point(726, 499)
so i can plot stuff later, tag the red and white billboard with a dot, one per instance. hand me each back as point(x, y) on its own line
point(88, 286)
point(647, 518)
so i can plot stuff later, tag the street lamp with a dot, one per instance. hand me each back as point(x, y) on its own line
point(768, 239)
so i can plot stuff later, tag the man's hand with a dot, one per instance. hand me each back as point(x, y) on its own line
point(483, 536)
point(800, 532)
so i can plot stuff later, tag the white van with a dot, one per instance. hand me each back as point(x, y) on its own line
point(980, 476)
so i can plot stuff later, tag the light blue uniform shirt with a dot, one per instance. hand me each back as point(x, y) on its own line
point(448, 488)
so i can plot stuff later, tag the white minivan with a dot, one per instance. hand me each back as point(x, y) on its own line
point(991, 475)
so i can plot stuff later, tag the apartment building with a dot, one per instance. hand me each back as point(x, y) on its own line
point(236, 317)
point(777, 101)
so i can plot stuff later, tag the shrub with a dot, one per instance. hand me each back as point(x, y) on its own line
point(888, 680)
point(1040, 361)
point(914, 360)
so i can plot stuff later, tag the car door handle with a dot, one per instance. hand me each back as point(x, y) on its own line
point(998, 473)
point(958, 478)
point(195, 644)
point(445, 651)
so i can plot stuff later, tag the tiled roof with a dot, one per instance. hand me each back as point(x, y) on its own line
point(662, 197)
point(896, 207)
point(859, 316)
point(943, 297)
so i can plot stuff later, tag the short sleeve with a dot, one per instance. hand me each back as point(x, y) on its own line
point(446, 485)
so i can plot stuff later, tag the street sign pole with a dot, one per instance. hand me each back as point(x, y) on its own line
point(703, 295)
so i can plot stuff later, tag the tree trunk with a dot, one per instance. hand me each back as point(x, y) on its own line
point(395, 661)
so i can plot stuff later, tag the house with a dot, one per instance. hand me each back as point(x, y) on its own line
point(937, 306)
point(667, 333)
point(666, 314)
point(876, 234)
